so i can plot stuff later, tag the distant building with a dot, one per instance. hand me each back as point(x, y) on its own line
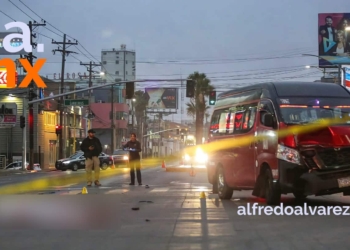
point(118, 65)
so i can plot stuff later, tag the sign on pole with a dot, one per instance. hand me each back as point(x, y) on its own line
point(77, 102)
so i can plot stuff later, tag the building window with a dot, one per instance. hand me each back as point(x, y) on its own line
point(50, 119)
point(133, 73)
point(133, 63)
point(104, 62)
point(126, 62)
point(104, 53)
point(126, 72)
point(117, 73)
point(117, 53)
point(116, 62)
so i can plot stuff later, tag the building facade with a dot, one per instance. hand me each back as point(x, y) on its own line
point(46, 117)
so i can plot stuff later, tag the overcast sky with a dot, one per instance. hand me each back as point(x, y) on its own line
point(214, 37)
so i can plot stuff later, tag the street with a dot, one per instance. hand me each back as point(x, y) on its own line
point(165, 213)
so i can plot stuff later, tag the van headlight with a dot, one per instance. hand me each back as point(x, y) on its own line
point(66, 162)
point(201, 156)
point(288, 154)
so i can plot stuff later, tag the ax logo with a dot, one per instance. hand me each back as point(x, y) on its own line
point(8, 74)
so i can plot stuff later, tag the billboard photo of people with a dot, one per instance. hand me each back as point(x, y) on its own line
point(334, 39)
point(161, 98)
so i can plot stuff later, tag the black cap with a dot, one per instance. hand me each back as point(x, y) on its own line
point(91, 131)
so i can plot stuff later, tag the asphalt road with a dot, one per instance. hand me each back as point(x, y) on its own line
point(168, 215)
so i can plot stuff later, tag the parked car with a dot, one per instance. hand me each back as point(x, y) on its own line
point(121, 157)
point(77, 161)
point(17, 165)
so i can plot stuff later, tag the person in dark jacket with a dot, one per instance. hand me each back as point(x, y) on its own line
point(92, 148)
point(134, 148)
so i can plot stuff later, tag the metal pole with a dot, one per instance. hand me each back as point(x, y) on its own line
point(142, 141)
point(100, 86)
point(61, 138)
point(339, 74)
point(159, 139)
point(90, 85)
point(112, 121)
point(132, 115)
point(75, 130)
point(24, 133)
point(145, 138)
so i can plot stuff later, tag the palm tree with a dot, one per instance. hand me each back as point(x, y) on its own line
point(207, 115)
point(140, 106)
point(202, 89)
point(191, 109)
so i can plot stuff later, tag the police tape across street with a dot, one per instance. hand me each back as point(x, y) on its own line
point(305, 210)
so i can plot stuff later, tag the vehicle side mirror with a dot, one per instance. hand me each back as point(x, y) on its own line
point(267, 119)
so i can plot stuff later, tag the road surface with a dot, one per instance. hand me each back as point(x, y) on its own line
point(168, 214)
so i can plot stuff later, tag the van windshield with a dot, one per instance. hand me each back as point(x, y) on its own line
point(305, 110)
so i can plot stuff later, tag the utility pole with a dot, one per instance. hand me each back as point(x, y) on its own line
point(61, 105)
point(159, 139)
point(89, 69)
point(112, 121)
point(24, 134)
point(31, 96)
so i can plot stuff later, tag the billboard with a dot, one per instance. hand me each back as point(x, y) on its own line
point(333, 39)
point(8, 114)
point(15, 42)
point(161, 98)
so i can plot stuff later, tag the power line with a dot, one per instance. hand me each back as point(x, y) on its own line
point(7, 15)
point(42, 18)
point(22, 11)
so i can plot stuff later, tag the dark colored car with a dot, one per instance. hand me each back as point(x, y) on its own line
point(120, 157)
point(77, 161)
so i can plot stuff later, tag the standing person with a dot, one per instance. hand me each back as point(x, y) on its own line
point(134, 148)
point(327, 33)
point(92, 148)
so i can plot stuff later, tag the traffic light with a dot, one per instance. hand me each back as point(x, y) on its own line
point(58, 130)
point(190, 86)
point(22, 121)
point(129, 90)
point(212, 97)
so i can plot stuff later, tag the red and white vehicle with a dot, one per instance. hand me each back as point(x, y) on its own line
point(316, 163)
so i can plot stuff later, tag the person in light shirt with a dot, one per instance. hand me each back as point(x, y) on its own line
point(342, 48)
